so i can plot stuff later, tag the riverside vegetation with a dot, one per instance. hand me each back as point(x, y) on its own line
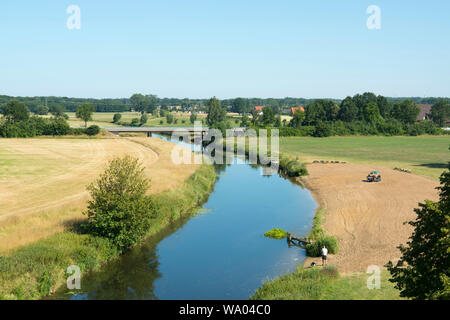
point(38, 269)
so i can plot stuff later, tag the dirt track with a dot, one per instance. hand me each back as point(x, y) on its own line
point(366, 217)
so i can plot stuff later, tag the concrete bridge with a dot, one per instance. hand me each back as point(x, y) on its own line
point(150, 130)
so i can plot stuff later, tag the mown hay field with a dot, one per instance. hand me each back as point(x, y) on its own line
point(43, 181)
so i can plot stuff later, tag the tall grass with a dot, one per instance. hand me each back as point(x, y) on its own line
point(325, 284)
point(303, 284)
point(36, 270)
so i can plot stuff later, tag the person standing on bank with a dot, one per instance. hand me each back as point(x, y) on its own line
point(324, 255)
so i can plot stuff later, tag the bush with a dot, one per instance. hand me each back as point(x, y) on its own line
point(119, 209)
point(135, 122)
point(77, 131)
point(276, 234)
point(315, 249)
point(117, 117)
point(93, 130)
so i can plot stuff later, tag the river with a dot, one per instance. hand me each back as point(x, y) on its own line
point(221, 251)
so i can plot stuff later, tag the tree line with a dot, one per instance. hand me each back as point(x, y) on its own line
point(148, 102)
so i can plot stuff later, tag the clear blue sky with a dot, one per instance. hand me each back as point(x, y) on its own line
point(199, 49)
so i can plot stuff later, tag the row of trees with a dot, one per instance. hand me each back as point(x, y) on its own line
point(18, 122)
point(146, 103)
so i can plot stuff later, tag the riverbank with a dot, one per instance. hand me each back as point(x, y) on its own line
point(37, 269)
point(367, 219)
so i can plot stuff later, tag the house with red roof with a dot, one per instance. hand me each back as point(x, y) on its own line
point(259, 109)
point(293, 110)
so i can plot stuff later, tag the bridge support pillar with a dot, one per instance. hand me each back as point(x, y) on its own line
point(149, 134)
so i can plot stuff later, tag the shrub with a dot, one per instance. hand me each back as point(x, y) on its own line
point(117, 117)
point(119, 209)
point(93, 130)
point(135, 122)
point(276, 234)
point(144, 119)
point(169, 118)
point(78, 131)
point(315, 249)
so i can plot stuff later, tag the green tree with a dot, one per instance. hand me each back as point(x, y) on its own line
point(41, 110)
point(216, 113)
point(406, 111)
point(244, 121)
point(268, 116)
point(348, 111)
point(119, 209)
point(15, 111)
point(152, 103)
point(139, 102)
point(240, 105)
point(84, 112)
point(315, 112)
point(57, 110)
point(117, 117)
point(144, 119)
point(255, 116)
point(427, 254)
point(297, 119)
point(277, 123)
point(440, 112)
point(193, 117)
point(169, 118)
point(372, 113)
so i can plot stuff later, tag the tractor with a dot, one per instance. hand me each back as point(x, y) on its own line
point(374, 176)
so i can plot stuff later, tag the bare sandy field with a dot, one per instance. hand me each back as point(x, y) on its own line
point(367, 218)
point(43, 181)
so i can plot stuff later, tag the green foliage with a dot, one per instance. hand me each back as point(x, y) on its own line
point(144, 119)
point(216, 113)
point(297, 119)
point(323, 129)
point(427, 254)
point(119, 209)
point(117, 117)
point(41, 110)
point(406, 111)
point(56, 110)
point(169, 118)
point(315, 249)
point(292, 167)
point(440, 112)
point(35, 126)
point(93, 130)
point(15, 111)
point(135, 122)
point(276, 234)
point(193, 117)
point(84, 112)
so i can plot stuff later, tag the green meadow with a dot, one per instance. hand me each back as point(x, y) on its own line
point(423, 155)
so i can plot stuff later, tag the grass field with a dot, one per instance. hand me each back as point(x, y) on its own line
point(423, 155)
point(43, 180)
point(326, 284)
point(37, 269)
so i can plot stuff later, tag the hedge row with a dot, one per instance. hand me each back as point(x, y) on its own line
point(38, 126)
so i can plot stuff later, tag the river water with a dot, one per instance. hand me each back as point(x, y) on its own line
point(221, 251)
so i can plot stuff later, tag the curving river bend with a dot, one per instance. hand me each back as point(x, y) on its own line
point(219, 253)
